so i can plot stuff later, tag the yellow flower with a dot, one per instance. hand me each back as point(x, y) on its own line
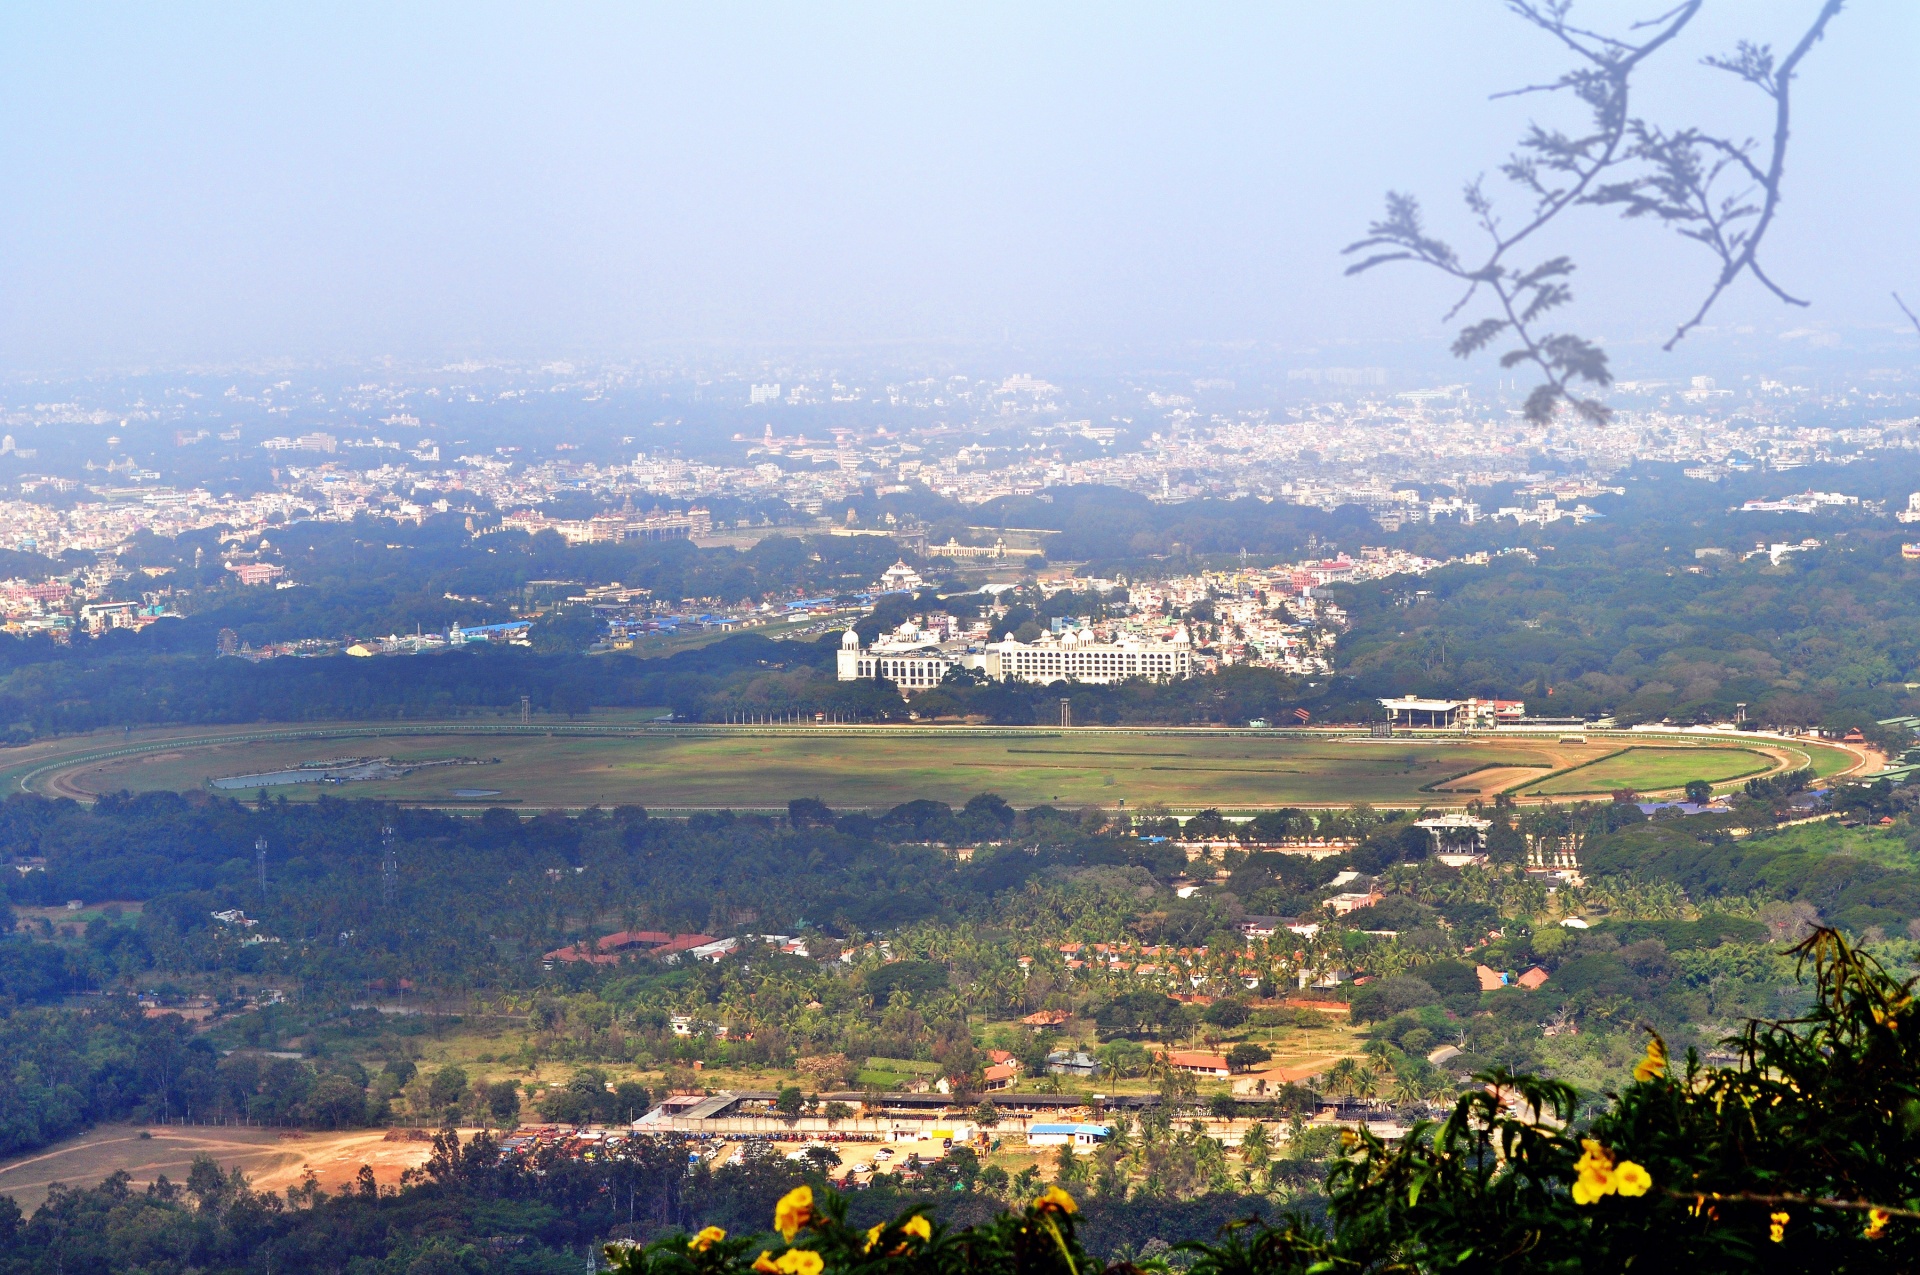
point(764, 1263)
point(1877, 1219)
point(706, 1239)
point(1595, 1173)
point(1655, 1062)
point(1630, 1179)
point(1054, 1200)
point(800, 1261)
point(794, 1211)
point(915, 1227)
point(1777, 1226)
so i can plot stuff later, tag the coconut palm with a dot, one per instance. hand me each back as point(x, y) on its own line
point(1407, 1089)
point(1341, 1076)
point(1256, 1150)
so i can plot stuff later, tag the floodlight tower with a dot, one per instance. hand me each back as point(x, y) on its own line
point(389, 867)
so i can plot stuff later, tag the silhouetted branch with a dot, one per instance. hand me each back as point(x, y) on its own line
point(1911, 316)
point(1754, 64)
point(1674, 177)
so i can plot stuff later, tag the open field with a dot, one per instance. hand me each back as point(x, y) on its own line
point(274, 1159)
point(615, 762)
point(1654, 770)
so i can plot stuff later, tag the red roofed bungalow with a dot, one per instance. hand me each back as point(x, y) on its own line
point(1199, 1064)
point(1000, 1075)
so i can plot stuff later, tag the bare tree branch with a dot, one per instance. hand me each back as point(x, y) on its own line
point(1911, 317)
point(1673, 177)
point(1755, 65)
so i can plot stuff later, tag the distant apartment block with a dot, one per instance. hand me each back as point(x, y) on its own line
point(314, 442)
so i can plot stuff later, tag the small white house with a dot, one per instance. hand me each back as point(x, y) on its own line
point(1081, 1137)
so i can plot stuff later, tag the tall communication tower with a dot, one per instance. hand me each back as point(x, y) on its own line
point(260, 864)
point(389, 867)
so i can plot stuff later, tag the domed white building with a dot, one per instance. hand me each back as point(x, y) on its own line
point(909, 663)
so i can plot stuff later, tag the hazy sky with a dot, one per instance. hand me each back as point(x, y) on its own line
point(315, 181)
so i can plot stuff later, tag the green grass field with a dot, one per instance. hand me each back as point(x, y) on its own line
point(1646, 769)
point(615, 763)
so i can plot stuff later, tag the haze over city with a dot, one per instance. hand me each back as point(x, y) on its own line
point(203, 185)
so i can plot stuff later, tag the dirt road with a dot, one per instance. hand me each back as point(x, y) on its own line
point(274, 1159)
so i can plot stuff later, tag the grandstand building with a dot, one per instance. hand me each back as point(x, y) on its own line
point(1454, 714)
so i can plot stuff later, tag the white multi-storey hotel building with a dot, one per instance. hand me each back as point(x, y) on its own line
point(912, 668)
point(1078, 657)
point(1070, 657)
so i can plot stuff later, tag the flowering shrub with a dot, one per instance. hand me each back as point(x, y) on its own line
point(814, 1236)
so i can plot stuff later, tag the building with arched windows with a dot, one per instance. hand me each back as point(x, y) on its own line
point(911, 665)
point(1076, 656)
point(915, 660)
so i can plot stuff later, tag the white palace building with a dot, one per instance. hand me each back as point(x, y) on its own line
point(912, 667)
point(1072, 656)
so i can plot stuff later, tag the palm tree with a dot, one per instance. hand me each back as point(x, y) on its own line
point(1365, 1082)
point(1256, 1151)
point(1340, 1077)
point(1407, 1089)
point(1120, 1136)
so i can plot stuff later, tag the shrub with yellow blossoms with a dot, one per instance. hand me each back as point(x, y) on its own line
point(813, 1238)
point(1654, 1064)
point(794, 1211)
point(1598, 1174)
